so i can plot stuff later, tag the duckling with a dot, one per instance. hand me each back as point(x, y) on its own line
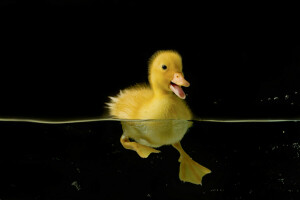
point(162, 99)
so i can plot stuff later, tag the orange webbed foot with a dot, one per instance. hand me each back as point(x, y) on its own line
point(190, 171)
point(142, 150)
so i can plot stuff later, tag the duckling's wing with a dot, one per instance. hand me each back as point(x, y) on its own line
point(128, 102)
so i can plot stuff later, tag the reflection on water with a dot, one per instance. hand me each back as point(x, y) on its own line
point(247, 159)
point(156, 133)
point(143, 136)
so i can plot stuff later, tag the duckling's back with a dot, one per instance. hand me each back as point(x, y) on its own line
point(127, 103)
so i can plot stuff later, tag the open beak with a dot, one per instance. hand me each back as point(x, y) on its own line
point(176, 83)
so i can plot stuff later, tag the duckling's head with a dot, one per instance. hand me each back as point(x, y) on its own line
point(165, 73)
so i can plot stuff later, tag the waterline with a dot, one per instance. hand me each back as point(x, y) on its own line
point(86, 120)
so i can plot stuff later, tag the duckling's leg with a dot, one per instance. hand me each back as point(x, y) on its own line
point(190, 171)
point(142, 150)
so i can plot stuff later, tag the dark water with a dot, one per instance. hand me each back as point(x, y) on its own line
point(249, 160)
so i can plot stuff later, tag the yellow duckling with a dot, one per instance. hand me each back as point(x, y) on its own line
point(157, 102)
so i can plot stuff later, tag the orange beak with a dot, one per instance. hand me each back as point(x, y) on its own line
point(177, 81)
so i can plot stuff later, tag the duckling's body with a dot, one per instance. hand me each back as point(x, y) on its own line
point(139, 102)
point(162, 99)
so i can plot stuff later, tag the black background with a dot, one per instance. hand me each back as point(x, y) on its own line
point(62, 59)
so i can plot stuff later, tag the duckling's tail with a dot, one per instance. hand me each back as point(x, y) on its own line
point(190, 171)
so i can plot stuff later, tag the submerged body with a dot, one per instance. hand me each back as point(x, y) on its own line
point(139, 102)
point(163, 102)
point(156, 133)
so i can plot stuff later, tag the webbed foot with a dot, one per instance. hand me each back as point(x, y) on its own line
point(190, 171)
point(142, 150)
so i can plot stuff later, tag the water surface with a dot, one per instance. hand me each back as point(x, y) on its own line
point(83, 159)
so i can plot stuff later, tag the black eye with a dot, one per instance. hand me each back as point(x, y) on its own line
point(164, 67)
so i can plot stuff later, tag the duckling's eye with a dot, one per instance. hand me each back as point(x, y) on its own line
point(164, 67)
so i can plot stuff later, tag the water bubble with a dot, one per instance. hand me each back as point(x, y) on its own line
point(276, 98)
point(281, 180)
point(296, 92)
point(286, 97)
point(56, 158)
point(217, 190)
point(275, 147)
point(269, 99)
point(76, 185)
point(296, 146)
